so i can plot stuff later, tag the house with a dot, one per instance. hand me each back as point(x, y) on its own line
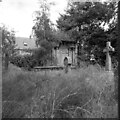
point(66, 49)
point(24, 45)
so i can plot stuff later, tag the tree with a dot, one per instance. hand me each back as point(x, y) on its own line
point(43, 26)
point(44, 32)
point(8, 45)
point(85, 22)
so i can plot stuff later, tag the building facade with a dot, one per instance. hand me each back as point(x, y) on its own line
point(66, 49)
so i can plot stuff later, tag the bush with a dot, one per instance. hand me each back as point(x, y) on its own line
point(27, 62)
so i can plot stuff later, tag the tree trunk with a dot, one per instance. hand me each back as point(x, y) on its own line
point(118, 48)
point(6, 61)
point(118, 41)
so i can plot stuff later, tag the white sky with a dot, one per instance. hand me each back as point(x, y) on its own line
point(18, 14)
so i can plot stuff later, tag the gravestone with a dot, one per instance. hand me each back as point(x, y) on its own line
point(108, 64)
point(92, 59)
point(66, 64)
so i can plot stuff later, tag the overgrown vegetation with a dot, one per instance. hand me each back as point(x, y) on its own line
point(83, 23)
point(26, 62)
point(91, 25)
point(8, 45)
point(39, 57)
point(87, 92)
point(82, 93)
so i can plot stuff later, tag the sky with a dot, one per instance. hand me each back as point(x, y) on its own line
point(18, 14)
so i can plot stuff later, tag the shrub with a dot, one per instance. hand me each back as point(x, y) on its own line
point(26, 62)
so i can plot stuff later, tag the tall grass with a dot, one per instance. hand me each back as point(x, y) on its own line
point(82, 93)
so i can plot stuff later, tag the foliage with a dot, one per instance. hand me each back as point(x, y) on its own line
point(42, 29)
point(39, 57)
point(43, 55)
point(44, 32)
point(85, 22)
point(62, 36)
point(8, 44)
point(83, 93)
point(26, 62)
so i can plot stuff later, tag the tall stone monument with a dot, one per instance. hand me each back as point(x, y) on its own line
point(108, 64)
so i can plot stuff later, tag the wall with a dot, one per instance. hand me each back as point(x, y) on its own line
point(61, 53)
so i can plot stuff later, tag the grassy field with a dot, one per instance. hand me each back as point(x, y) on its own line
point(81, 93)
point(0, 85)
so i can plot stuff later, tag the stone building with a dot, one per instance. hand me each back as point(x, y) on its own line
point(65, 49)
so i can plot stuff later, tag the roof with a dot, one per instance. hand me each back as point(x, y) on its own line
point(68, 41)
point(24, 43)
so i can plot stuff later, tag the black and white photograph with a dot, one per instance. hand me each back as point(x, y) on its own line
point(59, 58)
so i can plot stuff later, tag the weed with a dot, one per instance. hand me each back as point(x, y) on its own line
point(81, 93)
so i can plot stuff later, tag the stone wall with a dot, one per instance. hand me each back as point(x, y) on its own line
point(63, 52)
